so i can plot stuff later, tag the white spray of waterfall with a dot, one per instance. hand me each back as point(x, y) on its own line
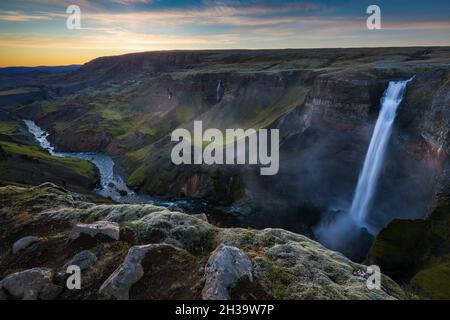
point(373, 162)
point(218, 91)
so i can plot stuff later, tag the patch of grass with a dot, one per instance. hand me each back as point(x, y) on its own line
point(78, 166)
point(287, 102)
point(11, 271)
point(399, 247)
point(278, 279)
point(416, 251)
point(9, 127)
point(433, 282)
point(22, 90)
point(109, 114)
point(138, 177)
point(268, 240)
point(118, 127)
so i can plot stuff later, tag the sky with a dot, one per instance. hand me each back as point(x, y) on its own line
point(34, 32)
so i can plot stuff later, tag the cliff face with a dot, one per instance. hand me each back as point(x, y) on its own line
point(325, 140)
point(149, 252)
point(417, 252)
point(426, 107)
point(340, 101)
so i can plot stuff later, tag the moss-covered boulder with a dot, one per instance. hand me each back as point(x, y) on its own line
point(416, 253)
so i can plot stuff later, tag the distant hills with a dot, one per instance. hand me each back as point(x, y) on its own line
point(47, 69)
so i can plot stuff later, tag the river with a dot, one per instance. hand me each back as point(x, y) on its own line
point(113, 186)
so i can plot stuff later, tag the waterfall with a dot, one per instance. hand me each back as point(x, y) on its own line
point(218, 91)
point(373, 162)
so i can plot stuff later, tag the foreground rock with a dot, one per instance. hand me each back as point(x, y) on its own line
point(24, 243)
point(84, 260)
point(97, 229)
point(31, 284)
point(135, 267)
point(171, 255)
point(120, 282)
point(291, 266)
point(225, 268)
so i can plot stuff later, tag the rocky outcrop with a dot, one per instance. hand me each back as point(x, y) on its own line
point(31, 284)
point(131, 271)
point(97, 229)
point(84, 260)
point(342, 101)
point(120, 282)
point(425, 110)
point(291, 266)
point(226, 266)
point(417, 252)
point(174, 256)
point(24, 243)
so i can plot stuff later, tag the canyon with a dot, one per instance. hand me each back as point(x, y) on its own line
point(324, 102)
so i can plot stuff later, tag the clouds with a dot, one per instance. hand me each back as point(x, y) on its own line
point(137, 25)
point(128, 2)
point(15, 16)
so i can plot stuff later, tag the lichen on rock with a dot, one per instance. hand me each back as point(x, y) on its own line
point(225, 268)
point(31, 284)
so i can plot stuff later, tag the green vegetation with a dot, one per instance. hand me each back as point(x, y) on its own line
point(80, 167)
point(289, 100)
point(298, 269)
point(276, 276)
point(417, 252)
point(7, 272)
point(400, 246)
point(433, 281)
point(8, 127)
point(138, 177)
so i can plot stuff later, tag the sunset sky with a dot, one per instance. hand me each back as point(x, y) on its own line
point(34, 32)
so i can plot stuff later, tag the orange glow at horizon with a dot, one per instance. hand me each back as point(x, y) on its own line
point(31, 57)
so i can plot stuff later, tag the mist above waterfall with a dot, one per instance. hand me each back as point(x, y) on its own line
point(345, 227)
point(370, 174)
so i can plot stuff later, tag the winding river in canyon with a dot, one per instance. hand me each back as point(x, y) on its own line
point(112, 185)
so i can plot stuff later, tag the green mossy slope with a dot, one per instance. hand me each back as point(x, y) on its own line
point(417, 253)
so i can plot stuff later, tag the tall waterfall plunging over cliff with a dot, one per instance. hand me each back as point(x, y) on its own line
point(373, 162)
point(219, 91)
